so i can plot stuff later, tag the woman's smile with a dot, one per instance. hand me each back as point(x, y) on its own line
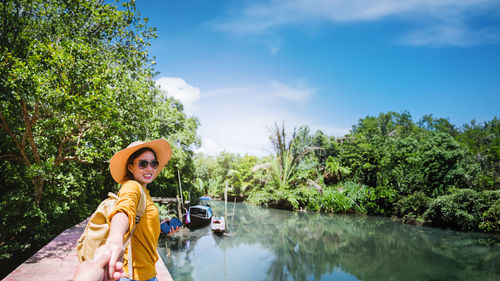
point(146, 175)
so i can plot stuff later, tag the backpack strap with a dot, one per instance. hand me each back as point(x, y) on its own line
point(112, 195)
point(141, 209)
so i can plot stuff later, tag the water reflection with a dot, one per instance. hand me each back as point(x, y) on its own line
point(268, 244)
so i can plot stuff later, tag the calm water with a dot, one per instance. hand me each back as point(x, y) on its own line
point(269, 244)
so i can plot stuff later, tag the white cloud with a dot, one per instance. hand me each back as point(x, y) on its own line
point(209, 146)
point(296, 94)
point(237, 119)
point(260, 18)
point(178, 88)
point(449, 35)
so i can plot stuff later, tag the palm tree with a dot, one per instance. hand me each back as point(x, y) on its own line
point(285, 162)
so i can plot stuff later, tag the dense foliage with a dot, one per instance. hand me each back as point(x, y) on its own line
point(423, 172)
point(76, 85)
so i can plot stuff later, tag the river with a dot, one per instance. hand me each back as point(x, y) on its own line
point(269, 244)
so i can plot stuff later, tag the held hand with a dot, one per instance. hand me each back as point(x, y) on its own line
point(96, 269)
point(115, 264)
point(93, 270)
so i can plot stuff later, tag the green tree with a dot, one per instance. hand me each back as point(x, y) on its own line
point(328, 144)
point(204, 170)
point(169, 121)
point(75, 78)
point(76, 85)
point(287, 173)
point(430, 123)
point(442, 163)
point(363, 156)
point(408, 158)
point(288, 153)
point(401, 164)
point(483, 142)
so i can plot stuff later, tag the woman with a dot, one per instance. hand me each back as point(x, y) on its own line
point(134, 168)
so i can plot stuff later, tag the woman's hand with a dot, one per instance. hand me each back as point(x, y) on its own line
point(115, 252)
point(114, 244)
point(96, 268)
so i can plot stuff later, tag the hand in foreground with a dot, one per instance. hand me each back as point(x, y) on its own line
point(115, 261)
point(96, 269)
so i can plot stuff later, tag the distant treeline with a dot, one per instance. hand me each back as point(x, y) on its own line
point(425, 172)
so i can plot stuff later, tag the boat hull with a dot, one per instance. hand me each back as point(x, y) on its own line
point(218, 225)
point(198, 221)
point(199, 216)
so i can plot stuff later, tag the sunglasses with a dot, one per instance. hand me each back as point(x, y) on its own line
point(143, 164)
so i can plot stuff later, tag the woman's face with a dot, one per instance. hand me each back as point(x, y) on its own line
point(143, 175)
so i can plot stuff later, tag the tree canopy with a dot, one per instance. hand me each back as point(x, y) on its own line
point(76, 85)
point(387, 165)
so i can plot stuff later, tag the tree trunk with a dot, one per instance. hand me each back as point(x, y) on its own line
point(29, 122)
point(318, 187)
point(38, 184)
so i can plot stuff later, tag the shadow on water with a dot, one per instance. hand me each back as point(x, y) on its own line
point(269, 244)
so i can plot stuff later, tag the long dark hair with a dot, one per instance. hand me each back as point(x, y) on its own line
point(131, 159)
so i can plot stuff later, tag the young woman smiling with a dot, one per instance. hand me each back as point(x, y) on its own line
point(134, 168)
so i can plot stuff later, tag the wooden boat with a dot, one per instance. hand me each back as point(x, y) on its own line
point(218, 225)
point(198, 216)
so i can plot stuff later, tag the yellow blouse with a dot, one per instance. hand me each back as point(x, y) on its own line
point(145, 238)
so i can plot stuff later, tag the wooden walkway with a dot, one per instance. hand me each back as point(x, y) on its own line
point(57, 261)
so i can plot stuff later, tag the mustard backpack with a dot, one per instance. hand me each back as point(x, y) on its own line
point(97, 229)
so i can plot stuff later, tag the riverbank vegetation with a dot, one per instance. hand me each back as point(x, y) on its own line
point(422, 172)
point(312, 244)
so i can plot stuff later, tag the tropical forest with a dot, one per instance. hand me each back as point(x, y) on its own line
point(77, 85)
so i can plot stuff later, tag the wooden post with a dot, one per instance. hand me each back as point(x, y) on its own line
point(225, 202)
point(234, 207)
point(179, 212)
point(180, 189)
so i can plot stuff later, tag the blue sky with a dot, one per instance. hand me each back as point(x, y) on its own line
point(240, 66)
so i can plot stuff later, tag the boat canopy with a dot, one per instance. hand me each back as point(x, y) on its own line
point(201, 210)
point(205, 198)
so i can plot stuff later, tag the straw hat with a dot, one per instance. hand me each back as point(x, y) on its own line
point(118, 163)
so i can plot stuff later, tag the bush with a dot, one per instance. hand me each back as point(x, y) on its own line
point(465, 209)
point(381, 200)
point(346, 197)
point(336, 201)
point(263, 197)
point(308, 198)
point(350, 197)
point(360, 194)
point(412, 206)
point(491, 219)
point(166, 211)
